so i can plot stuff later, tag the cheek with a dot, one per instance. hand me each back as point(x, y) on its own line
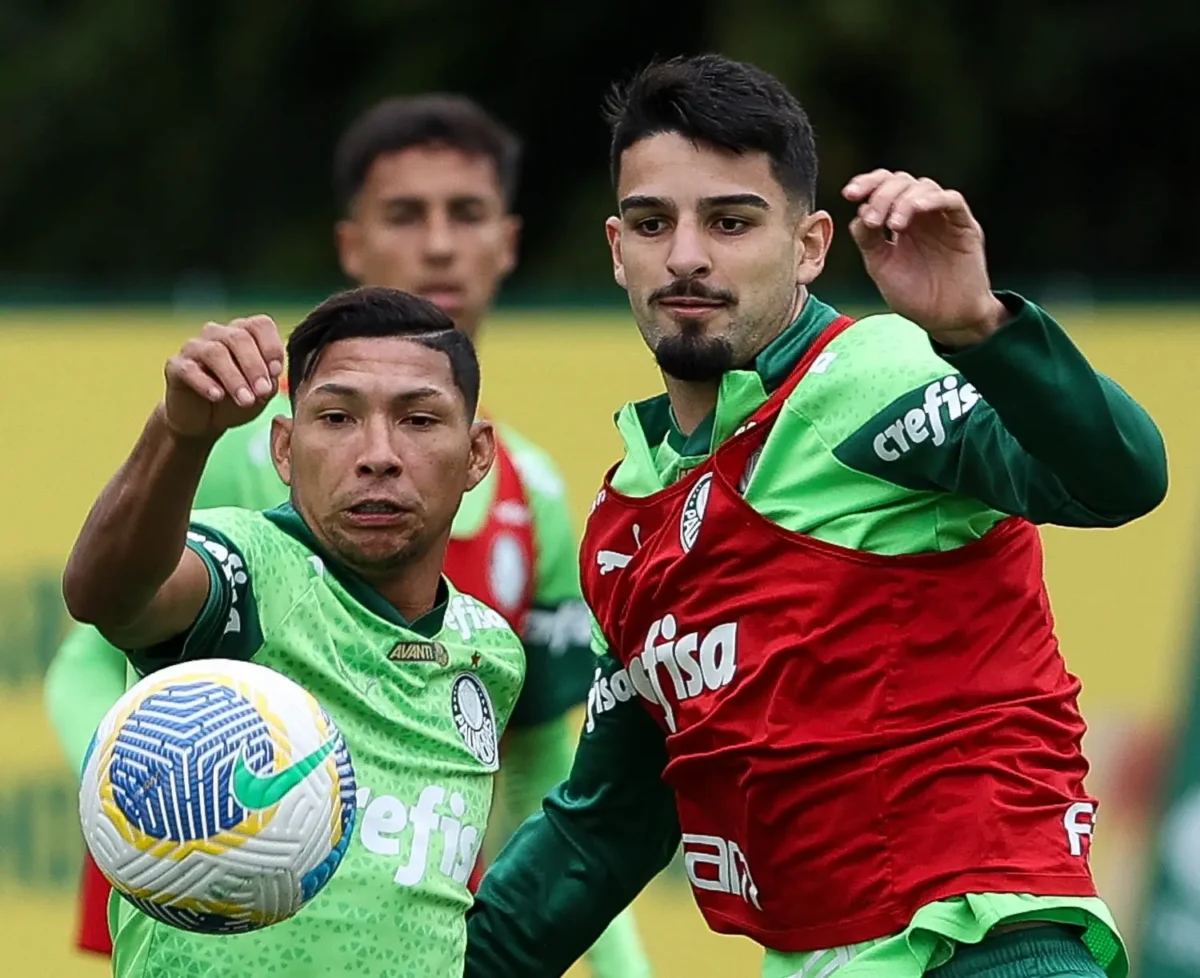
point(393, 250)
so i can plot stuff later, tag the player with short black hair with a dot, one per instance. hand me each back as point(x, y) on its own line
point(323, 589)
point(374, 311)
point(827, 663)
point(424, 120)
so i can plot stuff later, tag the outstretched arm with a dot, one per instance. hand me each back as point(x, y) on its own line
point(1052, 440)
point(130, 573)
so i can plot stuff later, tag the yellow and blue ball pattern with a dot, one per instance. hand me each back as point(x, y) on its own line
point(218, 796)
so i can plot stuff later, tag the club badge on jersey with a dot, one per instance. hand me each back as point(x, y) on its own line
point(818, 702)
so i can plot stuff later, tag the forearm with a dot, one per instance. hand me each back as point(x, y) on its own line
point(555, 888)
point(83, 682)
point(135, 534)
point(600, 837)
point(1099, 445)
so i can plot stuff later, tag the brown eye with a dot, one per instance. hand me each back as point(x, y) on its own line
point(732, 225)
point(651, 226)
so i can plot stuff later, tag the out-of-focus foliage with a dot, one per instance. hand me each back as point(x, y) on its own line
point(142, 142)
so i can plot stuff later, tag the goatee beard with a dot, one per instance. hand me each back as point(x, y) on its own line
point(693, 357)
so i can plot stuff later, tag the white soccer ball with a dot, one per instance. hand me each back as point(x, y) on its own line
point(217, 796)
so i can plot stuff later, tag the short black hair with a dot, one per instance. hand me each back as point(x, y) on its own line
point(377, 311)
point(714, 100)
point(422, 120)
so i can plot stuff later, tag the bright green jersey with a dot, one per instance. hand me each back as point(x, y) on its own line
point(395, 907)
point(88, 675)
point(888, 446)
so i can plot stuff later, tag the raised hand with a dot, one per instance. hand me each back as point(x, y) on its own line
point(924, 250)
point(224, 377)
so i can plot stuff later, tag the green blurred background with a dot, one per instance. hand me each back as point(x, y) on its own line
point(162, 164)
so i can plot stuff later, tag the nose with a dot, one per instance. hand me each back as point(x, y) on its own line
point(688, 257)
point(377, 456)
point(439, 238)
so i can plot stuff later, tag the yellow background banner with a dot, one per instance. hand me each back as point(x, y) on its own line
point(78, 385)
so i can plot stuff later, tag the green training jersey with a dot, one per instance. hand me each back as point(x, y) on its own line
point(889, 446)
point(88, 675)
point(395, 907)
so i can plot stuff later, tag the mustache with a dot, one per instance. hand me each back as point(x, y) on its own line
point(691, 288)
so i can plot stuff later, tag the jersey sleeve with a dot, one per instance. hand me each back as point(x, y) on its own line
point(600, 837)
point(559, 664)
point(1021, 423)
point(227, 626)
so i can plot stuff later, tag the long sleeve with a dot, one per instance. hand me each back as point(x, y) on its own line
point(537, 759)
point(1026, 426)
point(600, 837)
point(1056, 441)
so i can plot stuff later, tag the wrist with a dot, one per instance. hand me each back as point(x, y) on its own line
point(992, 316)
point(160, 428)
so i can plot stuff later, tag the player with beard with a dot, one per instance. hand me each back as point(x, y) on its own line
point(827, 663)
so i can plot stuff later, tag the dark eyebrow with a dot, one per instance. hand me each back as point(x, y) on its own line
point(407, 397)
point(734, 200)
point(639, 201)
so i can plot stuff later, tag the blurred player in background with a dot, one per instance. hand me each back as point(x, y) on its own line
point(827, 659)
point(426, 186)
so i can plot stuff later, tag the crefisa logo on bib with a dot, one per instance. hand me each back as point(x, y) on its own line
point(475, 719)
point(693, 512)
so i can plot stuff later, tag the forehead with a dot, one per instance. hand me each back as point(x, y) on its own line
point(386, 365)
point(432, 171)
point(668, 165)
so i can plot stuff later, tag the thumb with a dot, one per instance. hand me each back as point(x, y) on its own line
point(869, 240)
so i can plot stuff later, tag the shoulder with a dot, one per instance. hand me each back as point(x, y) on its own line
point(538, 471)
point(877, 361)
point(248, 535)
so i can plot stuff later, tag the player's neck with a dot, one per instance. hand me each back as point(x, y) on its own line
point(694, 400)
point(691, 400)
point(412, 590)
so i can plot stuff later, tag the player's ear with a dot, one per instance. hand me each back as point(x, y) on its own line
point(814, 234)
point(281, 447)
point(612, 230)
point(512, 243)
point(483, 452)
point(348, 240)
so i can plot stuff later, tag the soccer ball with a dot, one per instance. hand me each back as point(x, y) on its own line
point(217, 796)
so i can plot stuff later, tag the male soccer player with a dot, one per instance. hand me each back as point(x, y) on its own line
point(342, 590)
point(426, 186)
point(827, 659)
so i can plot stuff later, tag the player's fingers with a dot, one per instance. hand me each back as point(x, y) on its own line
point(242, 344)
point(948, 204)
point(863, 185)
point(270, 345)
point(877, 208)
point(867, 238)
point(216, 358)
point(185, 370)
